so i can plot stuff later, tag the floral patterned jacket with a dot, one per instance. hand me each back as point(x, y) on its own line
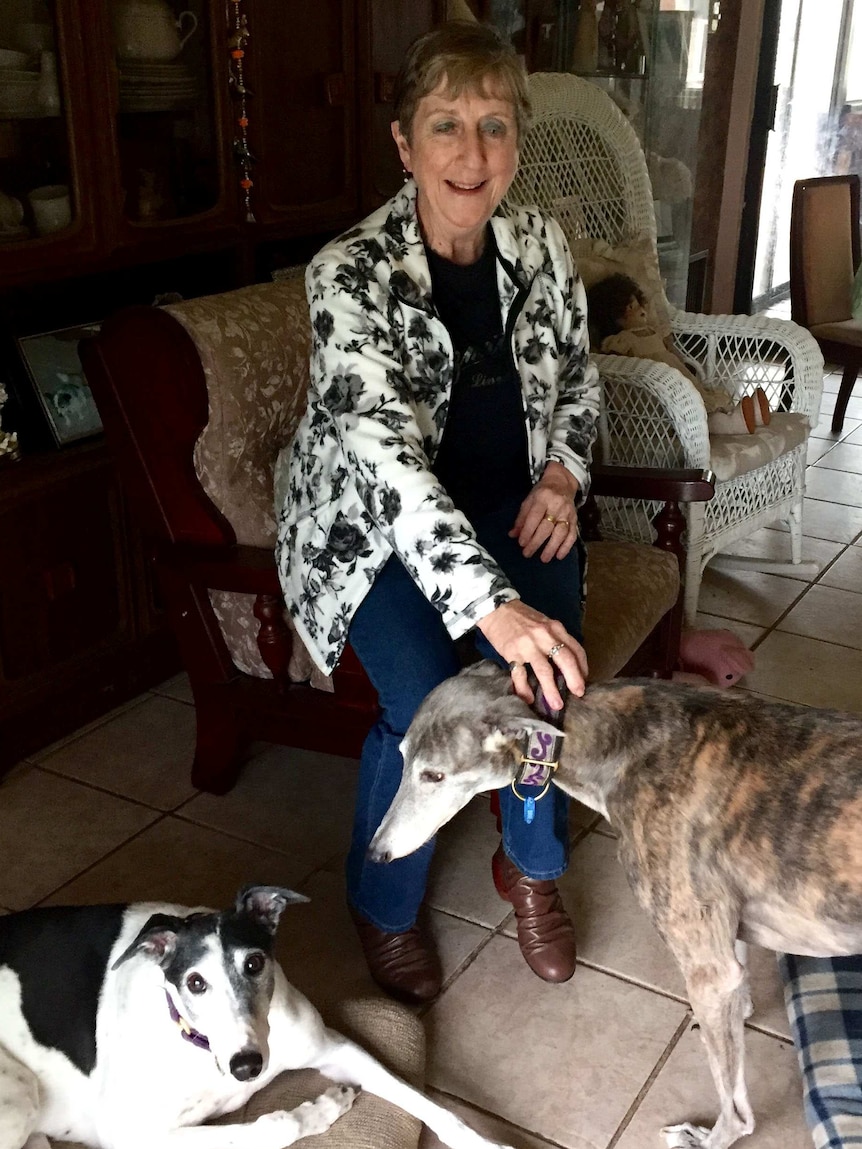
point(357, 484)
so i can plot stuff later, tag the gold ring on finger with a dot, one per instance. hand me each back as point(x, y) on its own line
point(562, 522)
point(550, 519)
point(555, 649)
point(513, 666)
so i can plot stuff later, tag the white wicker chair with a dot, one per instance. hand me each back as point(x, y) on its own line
point(582, 161)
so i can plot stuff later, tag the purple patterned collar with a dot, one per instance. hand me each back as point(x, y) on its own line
point(186, 1030)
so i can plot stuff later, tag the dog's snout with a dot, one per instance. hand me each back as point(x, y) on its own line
point(247, 1065)
point(376, 855)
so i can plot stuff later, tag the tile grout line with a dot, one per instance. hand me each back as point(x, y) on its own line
point(520, 1129)
point(98, 862)
point(681, 1029)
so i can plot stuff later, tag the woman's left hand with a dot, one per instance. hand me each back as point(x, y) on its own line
point(548, 517)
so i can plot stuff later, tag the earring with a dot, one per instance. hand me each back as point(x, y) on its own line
point(407, 175)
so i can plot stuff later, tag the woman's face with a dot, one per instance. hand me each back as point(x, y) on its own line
point(463, 154)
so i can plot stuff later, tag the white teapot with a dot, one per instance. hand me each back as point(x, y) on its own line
point(147, 30)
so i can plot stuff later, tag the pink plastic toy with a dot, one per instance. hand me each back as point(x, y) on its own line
point(719, 656)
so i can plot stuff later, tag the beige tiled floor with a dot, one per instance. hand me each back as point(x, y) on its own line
point(600, 1062)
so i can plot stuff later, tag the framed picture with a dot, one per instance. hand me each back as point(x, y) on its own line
point(55, 371)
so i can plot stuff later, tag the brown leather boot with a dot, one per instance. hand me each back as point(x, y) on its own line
point(545, 931)
point(402, 964)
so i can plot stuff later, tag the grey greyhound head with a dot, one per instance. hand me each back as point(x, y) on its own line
point(465, 738)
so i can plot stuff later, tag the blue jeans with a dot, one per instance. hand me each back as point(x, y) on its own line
point(400, 639)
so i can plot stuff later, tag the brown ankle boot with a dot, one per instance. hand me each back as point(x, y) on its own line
point(545, 932)
point(402, 964)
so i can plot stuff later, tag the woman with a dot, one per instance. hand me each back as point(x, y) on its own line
point(432, 485)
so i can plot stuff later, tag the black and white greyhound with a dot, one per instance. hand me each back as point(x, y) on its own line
point(125, 1026)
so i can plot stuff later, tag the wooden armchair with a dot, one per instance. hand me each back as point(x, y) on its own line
point(197, 399)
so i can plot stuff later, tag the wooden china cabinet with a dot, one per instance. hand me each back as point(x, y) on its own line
point(121, 161)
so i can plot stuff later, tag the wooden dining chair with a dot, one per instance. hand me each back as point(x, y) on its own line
point(824, 257)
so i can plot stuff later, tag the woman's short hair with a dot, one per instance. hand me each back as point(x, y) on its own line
point(469, 57)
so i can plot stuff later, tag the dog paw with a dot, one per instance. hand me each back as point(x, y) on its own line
point(280, 1128)
point(316, 1116)
point(338, 1098)
point(685, 1136)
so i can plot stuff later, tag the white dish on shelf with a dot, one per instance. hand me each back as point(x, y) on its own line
point(12, 59)
point(156, 101)
point(18, 76)
point(154, 71)
point(19, 100)
point(10, 234)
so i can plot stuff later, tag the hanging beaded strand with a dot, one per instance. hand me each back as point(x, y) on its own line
point(236, 46)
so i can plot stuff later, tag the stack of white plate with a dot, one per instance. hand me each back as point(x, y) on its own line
point(19, 99)
point(156, 87)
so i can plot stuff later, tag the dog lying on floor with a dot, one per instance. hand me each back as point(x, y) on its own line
point(124, 1027)
point(736, 818)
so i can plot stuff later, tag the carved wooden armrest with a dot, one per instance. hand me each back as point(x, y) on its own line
point(670, 487)
point(242, 570)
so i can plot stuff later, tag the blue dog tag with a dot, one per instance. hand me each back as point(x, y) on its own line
point(529, 810)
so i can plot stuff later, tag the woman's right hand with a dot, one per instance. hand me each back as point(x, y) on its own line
point(525, 636)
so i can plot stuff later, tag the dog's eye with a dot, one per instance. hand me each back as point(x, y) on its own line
point(431, 776)
point(254, 964)
point(195, 983)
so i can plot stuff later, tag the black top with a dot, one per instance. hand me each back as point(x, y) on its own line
point(482, 460)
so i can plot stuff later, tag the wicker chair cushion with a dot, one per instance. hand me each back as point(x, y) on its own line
point(848, 331)
point(732, 455)
point(631, 587)
point(389, 1031)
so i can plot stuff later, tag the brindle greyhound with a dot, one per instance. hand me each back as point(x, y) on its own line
point(736, 818)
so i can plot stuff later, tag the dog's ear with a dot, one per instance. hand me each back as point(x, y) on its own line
point(156, 939)
point(534, 726)
point(265, 904)
point(507, 731)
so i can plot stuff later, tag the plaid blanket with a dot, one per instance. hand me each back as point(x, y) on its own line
point(824, 1005)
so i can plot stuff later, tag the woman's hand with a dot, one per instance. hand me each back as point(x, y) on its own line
point(548, 516)
point(523, 635)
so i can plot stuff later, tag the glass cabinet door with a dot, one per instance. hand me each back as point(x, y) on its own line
point(36, 186)
point(649, 56)
point(166, 118)
point(676, 63)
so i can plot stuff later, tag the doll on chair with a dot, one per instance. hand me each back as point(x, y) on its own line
point(617, 314)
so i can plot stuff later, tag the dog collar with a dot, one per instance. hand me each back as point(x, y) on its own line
point(186, 1030)
point(539, 760)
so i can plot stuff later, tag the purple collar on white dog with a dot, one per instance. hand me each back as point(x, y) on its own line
point(186, 1030)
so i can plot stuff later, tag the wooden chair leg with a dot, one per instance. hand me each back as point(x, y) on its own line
point(220, 741)
point(848, 379)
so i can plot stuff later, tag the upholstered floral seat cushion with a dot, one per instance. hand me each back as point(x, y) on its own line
point(630, 588)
